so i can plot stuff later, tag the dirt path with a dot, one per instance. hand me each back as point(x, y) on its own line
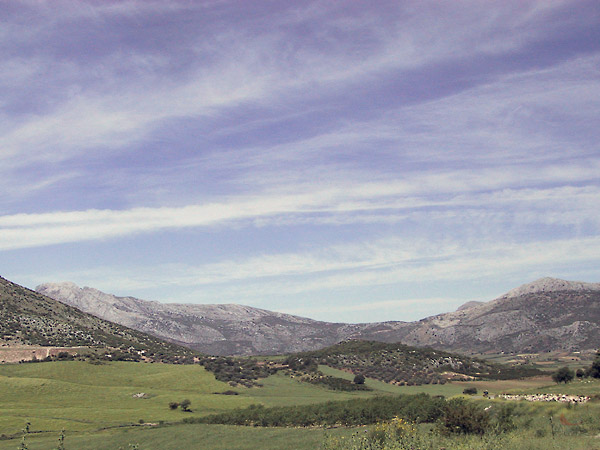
point(17, 353)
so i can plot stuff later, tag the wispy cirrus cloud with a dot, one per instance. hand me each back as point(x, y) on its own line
point(390, 264)
point(114, 109)
point(487, 194)
point(323, 151)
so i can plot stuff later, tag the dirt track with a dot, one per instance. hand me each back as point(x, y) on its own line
point(14, 354)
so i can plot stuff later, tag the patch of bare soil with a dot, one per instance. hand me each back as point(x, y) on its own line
point(18, 353)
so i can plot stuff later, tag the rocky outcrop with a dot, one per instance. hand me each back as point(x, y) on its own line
point(30, 319)
point(548, 284)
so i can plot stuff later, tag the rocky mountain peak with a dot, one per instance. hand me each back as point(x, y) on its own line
point(469, 305)
point(549, 284)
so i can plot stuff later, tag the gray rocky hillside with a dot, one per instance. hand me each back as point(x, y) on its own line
point(545, 315)
point(214, 329)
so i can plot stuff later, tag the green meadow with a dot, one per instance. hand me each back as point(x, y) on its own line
point(80, 396)
point(99, 400)
point(98, 408)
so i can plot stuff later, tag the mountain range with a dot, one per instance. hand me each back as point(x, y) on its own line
point(546, 315)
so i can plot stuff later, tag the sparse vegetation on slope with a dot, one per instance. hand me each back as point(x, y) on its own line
point(29, 318)
point(401, 364)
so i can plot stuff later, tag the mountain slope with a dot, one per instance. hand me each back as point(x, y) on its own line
point(545, 315)
point(30, 318)
point(548, 314)
point(214, 329)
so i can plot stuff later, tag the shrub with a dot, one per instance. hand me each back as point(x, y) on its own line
point(173, 405)
point(594, 370)
point(394, 430)
point(470, 391)
point(504, 418)
point(463, 417)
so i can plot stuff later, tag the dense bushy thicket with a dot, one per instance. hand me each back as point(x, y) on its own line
point(307, 369)
point(246, 372)
point(237, 370)
point(415, 408)
point(337, 384)
point(463, 417)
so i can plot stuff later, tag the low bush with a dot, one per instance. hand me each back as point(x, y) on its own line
point(463, 417)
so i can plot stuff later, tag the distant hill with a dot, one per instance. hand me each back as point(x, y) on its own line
point(546, 315)
point(30, 318)
point(402, 364)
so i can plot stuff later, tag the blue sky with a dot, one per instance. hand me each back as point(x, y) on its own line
point(345, 161)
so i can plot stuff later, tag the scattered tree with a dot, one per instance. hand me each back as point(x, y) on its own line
point(359, 379)
point(594, 370)
point(173, 405)
point(470, 391)
point(185, 405)
point(563, 375)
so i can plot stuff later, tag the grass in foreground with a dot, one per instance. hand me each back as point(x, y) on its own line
point(189, 437)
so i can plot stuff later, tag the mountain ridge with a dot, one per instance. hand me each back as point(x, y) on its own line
point(549, 284)
point(546, 314)
point(217, 329)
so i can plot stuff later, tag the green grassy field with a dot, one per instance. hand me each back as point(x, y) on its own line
point(80, 396)
point(587, 386)
point(201, 437)
point(448, 389)
point(95, 404)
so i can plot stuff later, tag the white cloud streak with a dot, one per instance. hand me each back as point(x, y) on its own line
point(448, 190)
